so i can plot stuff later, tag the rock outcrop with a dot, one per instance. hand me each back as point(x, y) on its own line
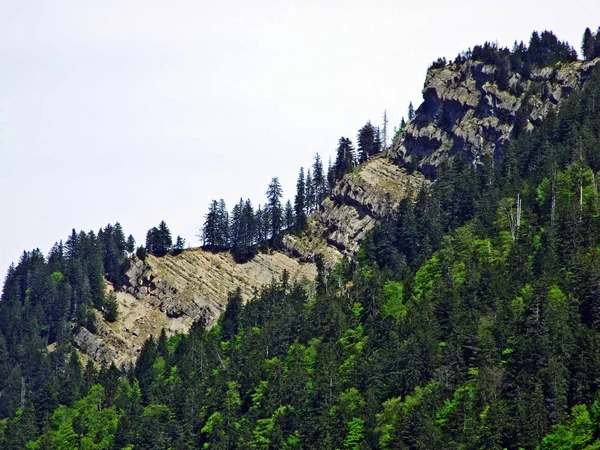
point(464, 111)
point(173, 292)
point(361, 198)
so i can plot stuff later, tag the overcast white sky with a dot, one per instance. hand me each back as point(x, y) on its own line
point(139, 111)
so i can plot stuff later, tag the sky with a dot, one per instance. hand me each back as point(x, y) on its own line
point(142, 111)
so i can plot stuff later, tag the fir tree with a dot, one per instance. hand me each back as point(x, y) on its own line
point(288, 215)
point(130, 244)
point(300, 202)
point(274, 209)
point(309, 193)
point(344, 161)
point(319, 180)
point(384, 135)
point(368, 142)
point(411, 112)
point(588, 45)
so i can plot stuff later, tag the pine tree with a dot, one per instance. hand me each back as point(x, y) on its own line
point(309, 193)
point(384, 136)
point(344, 161)
point(288, 215)
point(158, 240)
point(330, 176)
point(319, 180)
point(234, 225)
point(110, 309)
point(588, 45)
point(179, 245)
point(274, 209)
point(411, 111)
point(368, 142)
point(210, 228)
point(222, 225)
point(300, 201)
point(130, 244)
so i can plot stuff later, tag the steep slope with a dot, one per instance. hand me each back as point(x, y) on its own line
point(362, 197)
point(173, 291)
point(465, 112)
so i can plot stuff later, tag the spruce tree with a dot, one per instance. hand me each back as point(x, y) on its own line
point(222, 225)
point(344, 161)
point(130, 244)
point(319, 181)
point(210, 229)
point(588, 45)
point(309, 193)
point(384, 135)
point(274, 209)
point(300, 201)
point(234, 225)
point(368, 144)
point(288, 215)
point(411, 111)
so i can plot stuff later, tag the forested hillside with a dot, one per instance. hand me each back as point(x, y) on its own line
point(470, 318)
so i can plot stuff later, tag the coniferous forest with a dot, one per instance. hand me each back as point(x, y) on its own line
point(469, 319)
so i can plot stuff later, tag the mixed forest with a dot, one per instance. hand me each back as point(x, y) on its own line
point(470, 317)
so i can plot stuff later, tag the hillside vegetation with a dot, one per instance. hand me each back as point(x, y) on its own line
point(469, 318)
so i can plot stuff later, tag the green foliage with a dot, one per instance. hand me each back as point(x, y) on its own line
point(393, 300)
point(457, 326)
point(110, 309)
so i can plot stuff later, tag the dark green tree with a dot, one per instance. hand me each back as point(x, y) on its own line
point(368, 142)
point(345, 160)
point(588, 45)
point(273, 208)
point(300, 201)
point(319, 180)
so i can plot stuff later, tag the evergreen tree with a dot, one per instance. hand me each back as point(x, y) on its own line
point(368, 144)
point(384, 135)
point(309, 193)
point(222, 225)
point(274, 209)
point(300, 201)
point(179, 245)
point(319, 180)
point(210, 229)
point(288, 215)
point(235, 224)
point(331, 176)
point(344, 161)
point(411, 112)
point(588, 45)
point(261, 219)
point(130, 244)
point(158, 240)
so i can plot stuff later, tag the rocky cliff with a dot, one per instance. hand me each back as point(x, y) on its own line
point(174, 291)
point(464, 111)
point(362, 197)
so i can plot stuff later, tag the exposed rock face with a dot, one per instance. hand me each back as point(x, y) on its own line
point(93, 346)
point(464, 111)
point(360, 199)
point(174, 291)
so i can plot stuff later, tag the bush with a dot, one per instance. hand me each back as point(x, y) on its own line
point(110, 310)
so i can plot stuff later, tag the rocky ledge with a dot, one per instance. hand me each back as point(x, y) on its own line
point(464, 111)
